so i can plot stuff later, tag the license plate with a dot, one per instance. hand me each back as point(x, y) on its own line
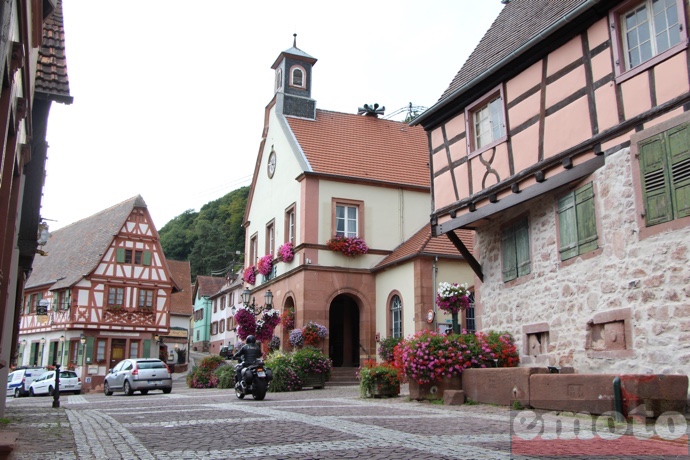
point(153, 382)
point(261, 374)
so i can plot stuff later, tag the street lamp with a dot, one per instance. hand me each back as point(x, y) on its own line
point(82, 339)
point(43, 346)
point(62, 349)
point(268, 299)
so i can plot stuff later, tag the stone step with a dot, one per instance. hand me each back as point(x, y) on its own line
point(343, 376)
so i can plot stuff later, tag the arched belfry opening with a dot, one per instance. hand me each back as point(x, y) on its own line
point(344, 331)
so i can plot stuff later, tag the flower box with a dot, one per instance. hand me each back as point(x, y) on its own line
point(382, 390)
point(315, 381)
point(435, 389)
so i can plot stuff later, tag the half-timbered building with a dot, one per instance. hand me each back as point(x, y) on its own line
point(563, 141)
point(100, 294)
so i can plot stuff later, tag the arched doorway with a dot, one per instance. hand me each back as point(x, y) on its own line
point(344, 332)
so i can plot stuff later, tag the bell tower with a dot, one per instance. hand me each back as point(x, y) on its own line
point(293, 78)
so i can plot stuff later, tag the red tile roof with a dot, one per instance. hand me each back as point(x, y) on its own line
point(423, 244)
point(363, 147)
point(208, 285)
point(52, 81)
point(181, 301)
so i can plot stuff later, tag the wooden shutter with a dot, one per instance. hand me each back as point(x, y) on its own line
point(522, 248)
point(147, 258)
point(89, 350)
point(32, 355)
point(655, 188)
point(146, 352)
point(567, 226)
point(679, 152)
point(120, 256)
point(586, 219)
point(509, 255)
point(51, 351)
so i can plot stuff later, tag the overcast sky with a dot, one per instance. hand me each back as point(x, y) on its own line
point(169, 95)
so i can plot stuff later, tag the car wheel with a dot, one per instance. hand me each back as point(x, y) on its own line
point(31, 392)
point(51, 391)
point(128, 389)
point(107, 390)
point(17, 393)
point(167, 390)
point(144, 392)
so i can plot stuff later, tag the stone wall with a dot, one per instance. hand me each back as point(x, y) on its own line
point(624, 307)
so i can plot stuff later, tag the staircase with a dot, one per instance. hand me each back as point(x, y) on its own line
point(343, 376)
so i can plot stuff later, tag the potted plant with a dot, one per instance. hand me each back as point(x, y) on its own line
point(350, 246)
point(379, 379)
point(249, 275)
point(387, 347)
point(312, 367)
point(453, 298)
point(296, 338)
point(314, 333)
point(265, 265)
point(287, 319)
point(286, 252)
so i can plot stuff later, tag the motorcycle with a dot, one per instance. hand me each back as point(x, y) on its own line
point(255, 380)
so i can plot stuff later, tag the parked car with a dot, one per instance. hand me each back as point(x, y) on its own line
point(45, 384)
point(227, 352)
point(19, 380)
point(142, 374)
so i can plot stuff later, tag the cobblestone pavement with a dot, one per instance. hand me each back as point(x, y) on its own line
point(333, 423)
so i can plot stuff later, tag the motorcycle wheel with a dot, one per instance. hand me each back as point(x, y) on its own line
point(239, 393)
point(260, 387)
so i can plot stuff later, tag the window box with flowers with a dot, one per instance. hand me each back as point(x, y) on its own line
point(265, 265)
point(249, 275)
point(286, 252)
point(349, 246)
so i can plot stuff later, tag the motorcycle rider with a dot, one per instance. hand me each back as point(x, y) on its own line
point(248, 354)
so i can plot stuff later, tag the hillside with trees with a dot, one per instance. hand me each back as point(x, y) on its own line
point(210, 238)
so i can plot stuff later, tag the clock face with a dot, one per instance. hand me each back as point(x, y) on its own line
point(271, 164)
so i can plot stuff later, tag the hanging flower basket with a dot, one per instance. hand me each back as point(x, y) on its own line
point(249, 275)
point(350, 246)
point(314, 333)
point(452, 298)
point(287, 319)
point(265, 265)
point(286, 252)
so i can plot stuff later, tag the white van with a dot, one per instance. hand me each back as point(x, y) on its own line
point(19, 380)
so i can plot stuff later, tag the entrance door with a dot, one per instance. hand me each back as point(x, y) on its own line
point(344, 332)
point(117, 351)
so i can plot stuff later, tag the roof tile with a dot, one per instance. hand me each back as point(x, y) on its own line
point(51, 72)
point(181, 301)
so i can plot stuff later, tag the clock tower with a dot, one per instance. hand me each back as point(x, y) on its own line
point(293, 79)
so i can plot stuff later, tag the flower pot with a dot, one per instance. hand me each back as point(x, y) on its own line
point(435, 389)
point(384, 390)
point(314, 381)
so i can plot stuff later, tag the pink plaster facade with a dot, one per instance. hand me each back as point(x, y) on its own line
point(573, 117)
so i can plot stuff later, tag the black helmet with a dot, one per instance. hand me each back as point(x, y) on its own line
point(251, 339)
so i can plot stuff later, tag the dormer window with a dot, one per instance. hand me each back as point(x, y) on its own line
point(297, 77)
point(486, 126)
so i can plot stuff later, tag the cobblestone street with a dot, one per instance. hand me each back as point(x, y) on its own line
point(332, 423)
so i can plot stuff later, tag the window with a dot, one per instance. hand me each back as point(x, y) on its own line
point(290, 224)
point(470, 324)
point(214, 328)
point(215, 305)
point(279, 79)
point(229, 323)
point(146, 299)
point(396, 316)
point(297, 77)
point(253, 249)
point(486, 122)
point(221, 326)
point(516, 257)
point(577, 222)
point(664, 162)
point(646, 30)
point(134, 349)
point(346, 220)
point(137, 257)
point(128, 256)
point(222, 303)
point(100, 350)
point(116, 296)
point(270, 238)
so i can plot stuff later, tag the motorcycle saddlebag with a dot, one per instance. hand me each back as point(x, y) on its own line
point(248, 376)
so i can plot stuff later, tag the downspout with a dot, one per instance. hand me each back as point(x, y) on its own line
point(433, 291)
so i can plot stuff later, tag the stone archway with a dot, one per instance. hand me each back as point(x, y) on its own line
point(343, 327)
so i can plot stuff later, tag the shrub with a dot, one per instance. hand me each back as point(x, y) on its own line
point(203, 375)
point(225, 376)
point(309, 360)
point(284, 376)
point(386, 348)
point(372, 374)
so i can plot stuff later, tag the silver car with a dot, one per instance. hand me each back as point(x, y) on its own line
point(141, 374)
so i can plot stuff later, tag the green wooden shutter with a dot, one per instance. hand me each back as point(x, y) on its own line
point(655, 187)
point(146, 352)
point(89, 349)
point(509, 256)
point(147, 258)
point(120, 257)
point(522, 248)
point(586, 219)
point(32, 355)
point(679, 151)
point(80, 353)
point(20, 355)
point(567, 226)
point(51, 352)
